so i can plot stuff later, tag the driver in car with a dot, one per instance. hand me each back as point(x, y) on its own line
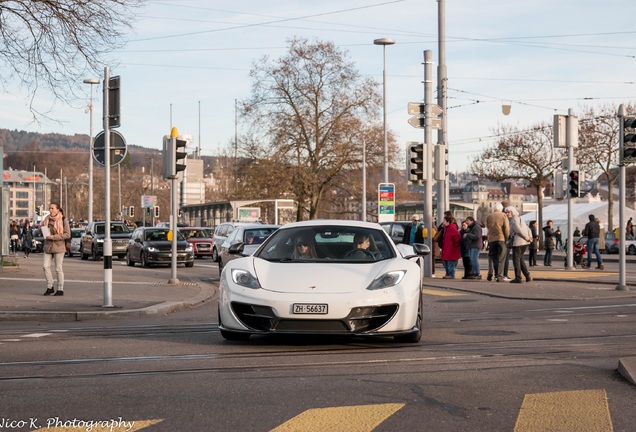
point(361, 245)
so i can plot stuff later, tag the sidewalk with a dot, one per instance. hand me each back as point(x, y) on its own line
point(22, 299)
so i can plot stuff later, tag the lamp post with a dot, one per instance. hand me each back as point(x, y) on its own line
point(384, 42)
point(90, 81)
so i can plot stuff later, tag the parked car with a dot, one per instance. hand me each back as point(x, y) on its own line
point(201, 240)
point(76, 237)
point(612, 244)
point(221, 232)
point(244, 241)
point(395, 229)
point(152, 245)
point(167, 225)
point(92, 240)
point(310, 278)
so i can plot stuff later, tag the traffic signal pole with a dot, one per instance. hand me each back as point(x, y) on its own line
point(622, 282)
point(108, 245)
point(572, 141)
point(429, 261)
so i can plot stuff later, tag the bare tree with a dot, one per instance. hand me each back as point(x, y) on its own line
point(597, 152)
point(521, 154)
point(312, 110)
point(54, 44)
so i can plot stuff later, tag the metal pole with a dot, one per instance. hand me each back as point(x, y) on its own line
point(386, 144)
point(90, 151)
point(121, 213)
point(364, 180)
point(443, 202)
point(108, 245)
point(429, 261)
point(622, 283)
point(571, 138)
point(152, 187)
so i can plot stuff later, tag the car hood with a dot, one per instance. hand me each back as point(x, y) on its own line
point(296, 277)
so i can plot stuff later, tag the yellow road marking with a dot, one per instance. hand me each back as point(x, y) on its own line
point(119, 425)
point(441, 293)
point(582, 411)
point(573, 274)
point(362, 418)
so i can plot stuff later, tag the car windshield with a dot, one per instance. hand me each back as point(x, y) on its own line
point(196, 233)
point(114, 229)
point(257, 236)
point(327, 243)
point(160, 235)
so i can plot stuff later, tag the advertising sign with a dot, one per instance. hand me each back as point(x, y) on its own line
point(386, 202)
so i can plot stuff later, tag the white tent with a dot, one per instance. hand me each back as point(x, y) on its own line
point(558, 213)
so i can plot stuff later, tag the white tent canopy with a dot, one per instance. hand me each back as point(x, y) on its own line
point(558, 213)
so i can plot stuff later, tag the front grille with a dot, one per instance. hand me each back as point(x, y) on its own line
point(203, 247)
point(359, 320)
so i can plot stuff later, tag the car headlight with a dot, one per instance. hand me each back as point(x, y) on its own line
point(245, 278)
point(99, 240)
point(152, 249)
point(387, 280)
point(188, 248)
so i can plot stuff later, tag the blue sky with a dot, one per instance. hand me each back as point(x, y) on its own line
point(541, 57)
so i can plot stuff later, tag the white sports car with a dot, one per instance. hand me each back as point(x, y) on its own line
point(325, 277)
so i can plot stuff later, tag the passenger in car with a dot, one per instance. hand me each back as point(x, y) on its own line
point(305, 249)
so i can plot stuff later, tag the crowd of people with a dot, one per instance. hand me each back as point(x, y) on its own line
point(507, 237)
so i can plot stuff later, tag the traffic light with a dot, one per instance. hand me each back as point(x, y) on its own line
point(148, 212)
point(174, 154)
point(156, 211)
point(415, 162)
point(574, 189)
point(131, 211)
point(439, 162)
point(629, 139)
point(38, 211)
point(180, 155)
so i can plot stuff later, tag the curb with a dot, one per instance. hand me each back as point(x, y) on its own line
point(627, 368)
point(205, 294)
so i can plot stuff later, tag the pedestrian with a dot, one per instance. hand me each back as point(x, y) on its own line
point(451, 243)
point(521, 237)
point(464, 250)
point(629, 228)
point(475, 245)
point(498, 233)
point(557, 237)
point(577, 233)
point(593, 231)
point(14, 235)
point(534, 244)
point(56, 230)
point(413, 232)
point(27, 238)
point(548, 233)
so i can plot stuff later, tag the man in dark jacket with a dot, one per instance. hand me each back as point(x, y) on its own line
point(474, 243)
point(593, 232)
point(413, 232)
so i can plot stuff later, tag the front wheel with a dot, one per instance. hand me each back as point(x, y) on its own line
point(143, 260)
point(129, 260)
point(631, 250)
point(94, 254)
point(215, 255)
point(189, 264)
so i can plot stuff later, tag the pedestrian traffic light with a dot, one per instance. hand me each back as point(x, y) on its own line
point(574, 189)
point(131, 211)
point(156, 211)
point(629, 139)
point(415, 162)
point(148, 212)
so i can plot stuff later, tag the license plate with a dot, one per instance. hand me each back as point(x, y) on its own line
point(310, 308)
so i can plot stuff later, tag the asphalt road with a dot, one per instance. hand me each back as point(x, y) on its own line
point(484, 364)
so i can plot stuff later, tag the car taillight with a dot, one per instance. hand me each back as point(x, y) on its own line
point(616, 241)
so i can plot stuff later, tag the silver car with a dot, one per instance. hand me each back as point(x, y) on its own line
point(244, 241)
point(76, 236)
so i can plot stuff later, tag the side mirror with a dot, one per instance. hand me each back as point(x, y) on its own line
point(236, 248)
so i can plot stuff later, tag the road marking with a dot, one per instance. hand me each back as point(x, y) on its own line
point(361, 418)
point(582, 410)
point(441, 293)
point(36, 335)
point(119, 425)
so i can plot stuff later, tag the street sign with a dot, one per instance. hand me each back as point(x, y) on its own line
point(386, 202)
point(418, 120)
point(118, 148)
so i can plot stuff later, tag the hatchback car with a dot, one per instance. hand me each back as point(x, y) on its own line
point(152, 245)
point(76, 235)
point(221, 232)
point(244, 241)
point(612, 244)
point(325, 277)
point(200, 238)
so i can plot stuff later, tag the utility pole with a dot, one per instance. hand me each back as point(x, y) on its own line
point(443, 197)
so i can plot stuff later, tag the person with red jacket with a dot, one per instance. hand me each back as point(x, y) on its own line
point(451, 243)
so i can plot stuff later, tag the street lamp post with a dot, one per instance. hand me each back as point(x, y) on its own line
point(91, 81)
point(384, 42)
